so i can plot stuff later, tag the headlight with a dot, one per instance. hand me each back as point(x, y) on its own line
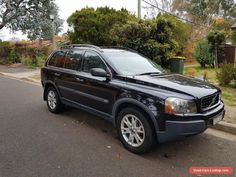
point(179, 106)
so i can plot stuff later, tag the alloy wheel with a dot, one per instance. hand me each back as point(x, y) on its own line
point(132, 130)
point(52, 101)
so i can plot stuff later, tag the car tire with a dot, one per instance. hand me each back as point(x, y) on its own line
point(135, 131)
point(53, 101)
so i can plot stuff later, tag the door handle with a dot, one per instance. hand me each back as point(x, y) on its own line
point(57, 74)
point(79, 79)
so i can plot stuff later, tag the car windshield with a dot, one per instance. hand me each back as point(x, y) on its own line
point(130, 63)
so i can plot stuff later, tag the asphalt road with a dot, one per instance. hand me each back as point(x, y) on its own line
point(37, 143)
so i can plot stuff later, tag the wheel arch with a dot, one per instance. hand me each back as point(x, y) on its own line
point(129, 102)
point(46, 86)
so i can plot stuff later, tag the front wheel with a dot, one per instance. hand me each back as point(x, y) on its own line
point(135, 131)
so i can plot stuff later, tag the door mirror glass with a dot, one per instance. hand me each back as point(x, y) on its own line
point(99, 72)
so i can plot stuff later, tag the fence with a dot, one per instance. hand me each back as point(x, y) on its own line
point(229, 54)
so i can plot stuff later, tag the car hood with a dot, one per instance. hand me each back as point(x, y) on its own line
point(177, 83)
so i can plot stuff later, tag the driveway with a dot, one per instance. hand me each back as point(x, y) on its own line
point(37, 143)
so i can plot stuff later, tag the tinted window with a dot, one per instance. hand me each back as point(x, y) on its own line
point(92, 60)
point(73, 60)
point(130, 63)
point(57, 59)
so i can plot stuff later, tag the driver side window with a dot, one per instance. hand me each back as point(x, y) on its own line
point(92, 60)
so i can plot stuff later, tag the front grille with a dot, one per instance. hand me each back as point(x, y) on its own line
point(210, 101)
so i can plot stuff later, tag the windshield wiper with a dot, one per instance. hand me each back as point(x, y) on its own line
point(149, 73)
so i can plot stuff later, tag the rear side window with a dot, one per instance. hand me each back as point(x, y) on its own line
point(92, 60)
point(57, 59)
point(73, 60)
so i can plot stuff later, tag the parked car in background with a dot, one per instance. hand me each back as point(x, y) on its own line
point(145, 104)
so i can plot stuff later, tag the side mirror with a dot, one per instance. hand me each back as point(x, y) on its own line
point(99, 72)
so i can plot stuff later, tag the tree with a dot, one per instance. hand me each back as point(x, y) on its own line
point(154, 9)
point(32, 17)
point(153, 39)
point(181, 32)
point(163, 34)
point(216, 39)
point(206, 15)
point(158, 39)
point(95, 26)
point(205, 11)
point(220, 24)
point(137, 35)
point(46, 28)
point(202, 53)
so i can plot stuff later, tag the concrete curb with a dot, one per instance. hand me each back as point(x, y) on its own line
point(226, 127)
point(31, 80)
point(21, 77)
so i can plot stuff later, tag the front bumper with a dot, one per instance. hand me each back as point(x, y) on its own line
point(198, 123)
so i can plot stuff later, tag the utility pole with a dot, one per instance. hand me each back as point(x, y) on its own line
point(139, 9)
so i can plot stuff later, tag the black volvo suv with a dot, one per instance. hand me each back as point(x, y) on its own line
point(145, 104)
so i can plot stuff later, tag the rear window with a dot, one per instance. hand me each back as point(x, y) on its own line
point(57, 59)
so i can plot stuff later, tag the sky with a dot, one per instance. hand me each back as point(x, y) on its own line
point(67, 7)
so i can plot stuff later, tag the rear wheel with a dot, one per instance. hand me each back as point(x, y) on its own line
point(135, 131)
point(53, 100)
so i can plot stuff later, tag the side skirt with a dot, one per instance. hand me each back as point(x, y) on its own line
point(88, 109)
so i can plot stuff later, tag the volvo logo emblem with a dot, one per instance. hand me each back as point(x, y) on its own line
point(213, 100)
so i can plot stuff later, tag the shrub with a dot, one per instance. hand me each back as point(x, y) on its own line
point(234, 75)
point(34, 52)
point(38, 61)
point(5, 50)
point(158, 39)
point(202, 53)
point(26, 61)
point(34, 57)
point(216, 39)
point(14, 57)
point(94, 25)
point(153, 39)
point(226, 73)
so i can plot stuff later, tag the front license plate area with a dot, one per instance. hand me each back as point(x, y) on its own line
point(217, 119)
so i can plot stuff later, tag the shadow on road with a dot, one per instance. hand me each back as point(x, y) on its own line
point(196, 150)
point(85, 118)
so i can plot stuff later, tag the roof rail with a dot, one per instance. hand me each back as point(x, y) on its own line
point(82, 45)
point(118, 47)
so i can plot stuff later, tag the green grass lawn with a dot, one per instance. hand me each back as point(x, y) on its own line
point(228, 93)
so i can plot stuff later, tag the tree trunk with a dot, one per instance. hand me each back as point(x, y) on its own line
point(40, 42)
